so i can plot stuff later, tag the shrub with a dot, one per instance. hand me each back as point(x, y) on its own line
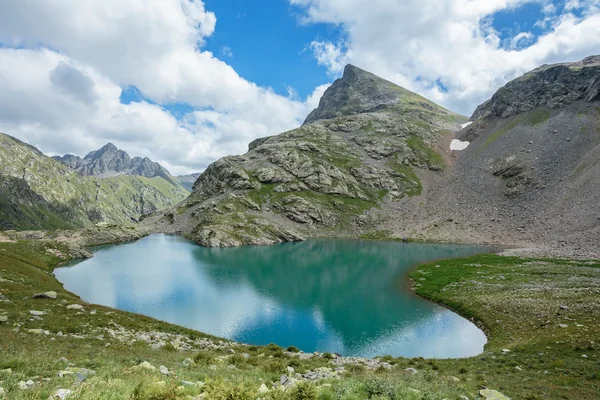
point(220, 390)
point(203, 358)
point(144, 391)
point(274, 366)
point(168, 347)
point(303, 391)
point(328, 356)
point(379, 387)
point(293, 349)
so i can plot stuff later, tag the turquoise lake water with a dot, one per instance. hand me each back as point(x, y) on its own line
point(346, 296)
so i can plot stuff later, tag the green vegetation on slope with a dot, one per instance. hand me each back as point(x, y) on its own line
point(39, 192)
point(544, 312)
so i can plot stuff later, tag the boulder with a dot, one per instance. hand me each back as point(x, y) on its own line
point(61, 394)
point(145, 365)
point(45, 295)
point(489, 394)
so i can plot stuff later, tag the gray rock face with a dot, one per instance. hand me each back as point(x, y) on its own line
point(356, 92)
point(551, 86)
point(111, 161)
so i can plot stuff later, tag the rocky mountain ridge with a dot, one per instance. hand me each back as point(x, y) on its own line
point(323, 177)
point(38, 192)
point(111, 161)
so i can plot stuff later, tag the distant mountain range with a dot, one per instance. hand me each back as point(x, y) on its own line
point(110, 161)
point(38, 192)
point(187, 181)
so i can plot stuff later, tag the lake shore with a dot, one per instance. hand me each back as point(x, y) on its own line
point(519, 300)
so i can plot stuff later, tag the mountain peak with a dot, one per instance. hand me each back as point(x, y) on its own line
point(357, 92)
point(108, 146)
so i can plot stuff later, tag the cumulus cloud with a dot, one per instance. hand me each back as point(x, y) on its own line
point(448, 50)
point(63, 66)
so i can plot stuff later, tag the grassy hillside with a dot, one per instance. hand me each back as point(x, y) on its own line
point(39, 192)
point(523, 304)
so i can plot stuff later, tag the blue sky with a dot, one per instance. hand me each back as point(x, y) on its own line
point(186, 82)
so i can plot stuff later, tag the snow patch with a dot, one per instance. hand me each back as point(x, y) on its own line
point(463, 126)
point(458, 145)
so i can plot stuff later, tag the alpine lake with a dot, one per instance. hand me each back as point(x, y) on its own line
point(350, 297)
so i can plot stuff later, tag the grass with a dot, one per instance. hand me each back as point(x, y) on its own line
point(499, 132)
point(516, 300)
point(536, 117)
point(414, 185)
point(425, 154)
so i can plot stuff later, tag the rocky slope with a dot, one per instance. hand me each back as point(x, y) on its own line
point(39, 192)
point(360, 149)
point(530, 175)
point(110, 161)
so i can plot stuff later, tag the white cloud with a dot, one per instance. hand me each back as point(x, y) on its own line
point(64, 64)
point(421, 43)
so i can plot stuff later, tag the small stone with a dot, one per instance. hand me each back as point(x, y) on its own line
point(164, 370)
point(291, 370)
point(505, 351)
point(263, 389)
point(283, 379)
point(3, 319)
point(75, 307)
point(463, 397)
point(454, 379)
point(246, 355)
point(6, 371)
point(1, 392)
point(414, 391)
point(410, 371)
point(46, 295)
point(38, 331)
point(145, 365)
point(80, 377)
point(231, 351)
point(563, 325)
point(489, 394)
point(37, 313)
point(22, 385)
point(188, 383)
point(584, 356)
point(62, 394)
point(62, 374)
point(563, 307)
point(518, 368)
point(63, 360)
point(187, 362)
